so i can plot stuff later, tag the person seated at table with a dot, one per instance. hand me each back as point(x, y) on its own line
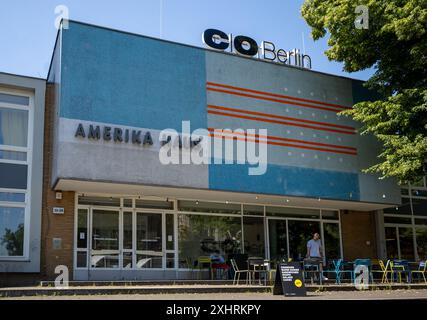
point(217, 258)
point(218, 262)
point(314, 252)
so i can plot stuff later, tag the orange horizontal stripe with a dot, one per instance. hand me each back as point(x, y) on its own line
point(284, 139)
point(281, 117)
point(281, 144)
point(277, 121)
point(278, 95)
point(271, 99)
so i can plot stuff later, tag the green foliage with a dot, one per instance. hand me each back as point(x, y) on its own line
point(13, 241)
point(395, 45)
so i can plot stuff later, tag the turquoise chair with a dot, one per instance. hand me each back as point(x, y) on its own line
point(338, 270)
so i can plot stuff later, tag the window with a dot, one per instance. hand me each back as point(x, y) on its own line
point(300, 232)
point(209, 207)
point(12, 231)
point(278, 239)
point(253, 231)
point(289, 212)
point(15, 160)
point(331, 240)
point(202, 235)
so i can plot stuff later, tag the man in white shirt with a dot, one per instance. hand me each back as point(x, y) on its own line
point(314, 252)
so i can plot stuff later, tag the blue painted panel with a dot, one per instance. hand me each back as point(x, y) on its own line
point(286, 180)
point(119, 78)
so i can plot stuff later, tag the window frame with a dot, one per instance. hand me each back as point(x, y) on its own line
point(29, 150)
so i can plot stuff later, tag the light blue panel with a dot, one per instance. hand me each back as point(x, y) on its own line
point(286, 180)
point(119, 78)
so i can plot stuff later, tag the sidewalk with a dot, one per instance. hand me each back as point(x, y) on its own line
point(333, 295)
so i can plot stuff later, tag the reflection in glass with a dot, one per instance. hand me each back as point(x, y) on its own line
point(82, 229)
point(209, 207)
point(300, 232)
point(149, 240)
point(422, 243)
point(331, 234)
point(201, 235)
point(13, 127)
point(278, 240)
point(127, 230)
point(170, 260)
point(406, 243)
point(127, 260)
point(253, 230)
point(11, 231)
point(170, 239)
point(81, 259)
point(105, 239)
point(391, 243)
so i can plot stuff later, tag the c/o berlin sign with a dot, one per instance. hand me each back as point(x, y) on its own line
point(246, 46)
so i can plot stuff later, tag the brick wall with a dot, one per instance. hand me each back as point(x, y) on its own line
point(357, 229)
point(54, 225)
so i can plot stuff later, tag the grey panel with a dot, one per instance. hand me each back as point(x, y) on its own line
point(13, 176)
point(10, 98)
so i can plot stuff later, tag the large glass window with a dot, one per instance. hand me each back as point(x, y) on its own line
point(422, 243)
point(419, 206)
point(11, 231)
point(404, 208)
point(289, 212)
point(105, 239)
point(209, 207)
point(406, 243)
point(253, 230)
point(277, 239)
point(149, 253)
point(15, 151)
point(13, 127)
point(391, 243)
point(300, 232)
point(331, 234)
point(202, 235)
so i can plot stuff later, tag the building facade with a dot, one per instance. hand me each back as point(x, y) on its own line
point(22, 101)
point(282, 164)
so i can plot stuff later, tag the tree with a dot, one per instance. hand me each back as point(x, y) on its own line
point(14, 241)
point(395, 45)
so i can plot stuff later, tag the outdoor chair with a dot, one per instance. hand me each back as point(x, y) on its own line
point(338, 270)
point(201, 262)
point(398, 267)
point(421, 270)
point(238, 272)
point(384, 270)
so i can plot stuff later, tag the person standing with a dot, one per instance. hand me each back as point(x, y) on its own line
point(314, 252)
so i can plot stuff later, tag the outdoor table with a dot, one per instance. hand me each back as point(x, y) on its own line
point(310, 262)
point(253, 263)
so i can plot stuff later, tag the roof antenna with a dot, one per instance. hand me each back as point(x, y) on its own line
point(303, 43)
point(161, 19)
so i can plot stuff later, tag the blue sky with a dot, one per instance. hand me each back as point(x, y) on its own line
point(27, 30)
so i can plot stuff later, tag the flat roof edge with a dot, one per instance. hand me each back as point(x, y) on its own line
point(209, 50)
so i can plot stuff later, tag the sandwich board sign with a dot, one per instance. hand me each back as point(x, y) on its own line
point(289, 280)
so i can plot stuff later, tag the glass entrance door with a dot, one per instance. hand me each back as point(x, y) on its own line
point(124, 238)
point(105, 240)
point(149, 240)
